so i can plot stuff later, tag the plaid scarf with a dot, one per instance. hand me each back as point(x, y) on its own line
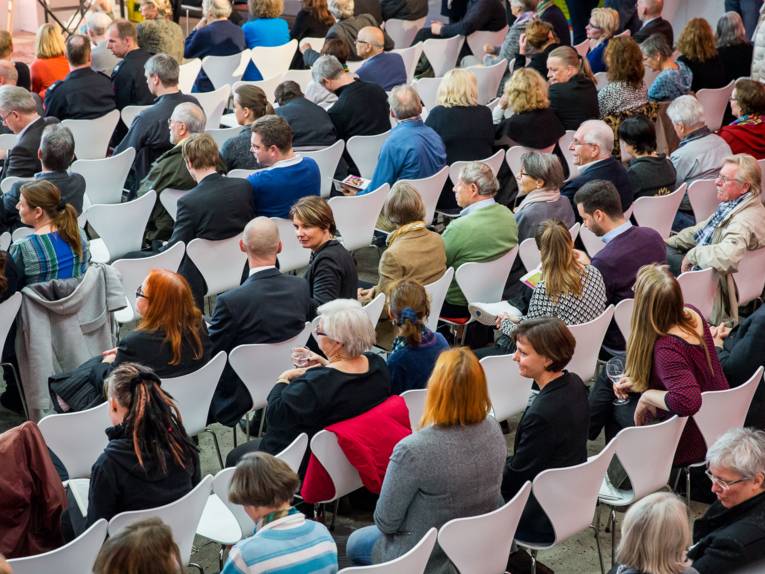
point(704, 235)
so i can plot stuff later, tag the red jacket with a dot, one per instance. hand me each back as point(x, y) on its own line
point(746, 135)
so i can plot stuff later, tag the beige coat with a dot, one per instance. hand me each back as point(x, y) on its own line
point(741, 231)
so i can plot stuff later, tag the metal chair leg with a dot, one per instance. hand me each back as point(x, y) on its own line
point(688, 485)
point(613, 536)
point(334, 515)
point(197, 566)
point(600, 553)
point(217, 446)
point(533, 562)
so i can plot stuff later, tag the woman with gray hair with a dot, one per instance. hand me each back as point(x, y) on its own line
point(733, 46)
point(321, 391)
point(730, 534)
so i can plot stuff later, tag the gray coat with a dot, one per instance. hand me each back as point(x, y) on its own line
point(530, 216)
point(416, 497)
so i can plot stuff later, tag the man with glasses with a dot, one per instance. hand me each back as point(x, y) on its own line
point(383, 68)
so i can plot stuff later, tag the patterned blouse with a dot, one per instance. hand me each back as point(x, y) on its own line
point(616, 97)
point(45, 257)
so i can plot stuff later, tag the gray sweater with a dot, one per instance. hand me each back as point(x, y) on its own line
point(435, 475)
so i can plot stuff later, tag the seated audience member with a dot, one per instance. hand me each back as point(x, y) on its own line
point(349, 381)
point(455, 426)
point(536, 44)
point(331, 272)
point(553, 431)
point(19, 113)
point(315, 91)
point(484, 230)
point(650, 173)
point(9, 77)
point(58, 248)
point(268, 307)
point(264, 28)
point(56, 155)
point(214, 35)
point(142, 547)
point(158, 34)
point(603, 24)
point(50, 64)
point(311, 125)
point(572, 92)
point(733, 47)
point(549, 12)
point(722, 240)
point(149, 460)
point(403, 9)
point(728, 537)
point(313, 20)
point(592, 146)
point(655, 536)
point(700, 153)
point(539, 194)
point(128, 76)
point(487, 15)
point(6, 54)
point(284, 539)
point(287, 176)
point(169, 169)
point(148, 134)
point(649, 12)
point(523, 12)
point(674, 77)
point(625, 90)
point(103, 60)
point(698, 51)
point(415, 347)
point(412, 150)
point(747, 133)
point(413, 251)
point(524, 114)
point(383, 68)
point(250, 103)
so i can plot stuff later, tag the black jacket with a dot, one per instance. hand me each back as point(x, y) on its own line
point(22, 160)
point(657, 26)
point(311, 124)
point(371, 7)
point(481, 15)
point(575, 101)
point(361, 109)
point(555, 17)
point(331, 274)
point(728, 539)
point(267, 308)
point(467, 131)
point(709, 74)
point(307, 26)
point(536, 129)
point(609, 169)
point(83, 95)
point(129, 80)
point(404, 9)
point(736, 60)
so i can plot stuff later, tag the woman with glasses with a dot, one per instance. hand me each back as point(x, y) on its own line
point(747, 133)
point(603, 24)
point(729, 536)
point(673, 79)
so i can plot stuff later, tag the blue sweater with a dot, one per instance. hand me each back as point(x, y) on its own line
point(385, 69)
point(410, 367)
point(277, 188)
point(263, 32)
point(218, 38)
point(595, 57)
point(412, 151)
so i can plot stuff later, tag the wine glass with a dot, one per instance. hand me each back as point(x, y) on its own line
point(615, 372)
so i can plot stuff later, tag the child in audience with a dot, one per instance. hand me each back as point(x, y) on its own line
point(146, 547)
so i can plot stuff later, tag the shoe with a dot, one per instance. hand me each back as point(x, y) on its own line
point(254, 424)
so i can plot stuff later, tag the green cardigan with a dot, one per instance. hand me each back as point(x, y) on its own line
point(481, 235)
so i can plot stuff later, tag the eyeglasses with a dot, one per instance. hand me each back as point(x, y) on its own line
point(593, 26)
point(3, 118)
point(318, 332)
point(139, 293)
point(724, 484)
point(722, 179)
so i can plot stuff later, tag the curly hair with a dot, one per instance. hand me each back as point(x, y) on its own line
point(265, 8)
point(625, 61)
point(526, 91)
point(697, 41)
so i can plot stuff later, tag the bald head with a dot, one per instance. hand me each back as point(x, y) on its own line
point(8, 74)
point(370, 41)
point(648, 9)
point(260, 241)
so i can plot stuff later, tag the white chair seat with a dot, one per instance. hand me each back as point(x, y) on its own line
point(129, 113)
point(225, 70)
point(220, 263)
point(429, 189)
point(293, 255)
point(327, 158)
point(589, 337)
point(411, 56)
point(508, 390)
point(493, 161)
point(702, 194)
point(658, 212)
point(437, 293)
point(222, 135)
point(427, 88)
point(213, 104)
point(714, 101)
point(699, 289)
point(169, 200)
point(489, 78)
point(105, 178)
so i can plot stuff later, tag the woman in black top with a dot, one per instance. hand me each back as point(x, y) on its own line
point(573, 93)
point(697, 51)
point(734, 48)
point(650, 173)
point(312, 20)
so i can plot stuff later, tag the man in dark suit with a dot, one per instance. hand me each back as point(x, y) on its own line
point(649, 12)
point(267, 308)
point(19, 114)
point(311, 125)
point(592, 146)
point(385, 69)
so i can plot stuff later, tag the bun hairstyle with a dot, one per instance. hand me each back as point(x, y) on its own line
point(408, 306)
point(46, 196)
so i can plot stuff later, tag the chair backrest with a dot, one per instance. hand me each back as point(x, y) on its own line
point(241, 173)
point(316, 43)
point(213, 104)
point(415, 402)
point(293, 256)
point(129, 113)
point(355, 217)
point(515, 153)
point(437, 293)
point(478, 39)
point(294, 452)
point(699, 289)
point(589, 337)
point(427, 88)
point(411, 56)
point(484, 281)
point(583, 48)
point(750, 277)
point(442, 53)
point(182, 516)
point(8, 311)
point(430, 189)
point(274, 60)
point(268, 86)
point(413, 562)
point(481, 544)
point(169, 200)
point(489, 78)
point(105, 178)
point(529, 254)
point(21, 233)
point(78, 439)
point(225, 70)
point(327, 158)
point(374, 308)
point(402, 32)
point(364, 151)
point(258, 365)
point(223, 134)
point(592, 243)
point(5, 241)
point(121, 225)
point(188, 73)
point(508, 390)
point(601, 79)
point(8, 182)
point(714, 101)
point(91, 137)
point(564, 142)
point(493, 161)
point(301, 77)
point(76, 557)
point(344, 476)
point(702, 194)
point(220, 262)
point(8, 141)
point(658, 212)
point(623, 316)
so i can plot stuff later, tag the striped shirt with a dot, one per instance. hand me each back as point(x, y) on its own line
point(289, 545)
point(40, 258)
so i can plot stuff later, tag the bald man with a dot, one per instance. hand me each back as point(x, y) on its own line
point(383, 68)
point(649, 12)
point(267, 308)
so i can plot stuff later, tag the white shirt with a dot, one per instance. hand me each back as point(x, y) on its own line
point(261, 268)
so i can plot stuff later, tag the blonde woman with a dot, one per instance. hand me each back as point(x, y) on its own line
point(603, 24)
point(50, 64)
point(158, 33)
point(573, 95)
point(264, 28)
point(655, 536)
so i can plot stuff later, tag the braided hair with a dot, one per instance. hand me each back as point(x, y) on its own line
point(409, 307)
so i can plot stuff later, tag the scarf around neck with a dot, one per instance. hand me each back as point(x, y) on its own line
point(538, 196)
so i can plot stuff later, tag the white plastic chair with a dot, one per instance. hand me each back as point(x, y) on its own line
point(327, 158)
point(76, 557)
point(415, 403)
point(345, 477)
point(169, 200)
point(8, 141)
point(220, 262)
point(714, 101)
point(411, 56)
point(493, 161)
point(658, 212)
point(592, 243)
point(508, 390)
point(242, 173)
point(437, 294)
point(223, 134)
point(402, 32)
point(5, 241)
point(356, 216)
point(316, 43)
point(8, 182)
point(427, 88)
point(702, 194)
point(429, 189)
point(481, 544)
point(589, 337)
point(564, 142)
point(489, 79)
point(182, 516)
point(364, 151)
point(225, 70)
point(515, 153)
point(21, 233)
point(529, 252)
point(301, 77)
point(699, 289)
point(129, 113)
point(583, 48)
point(105, 178)
point(134, 271)
point(623, 316)
point(273, 61)
point(413, 562)
point(213, 104)
point(91, 137)
point(120, 227)
point(601, 80)
point(478, 39)
point(293, 256)
point(187, 74)
point(374, 308)
point(442, 53)
point(750, 277)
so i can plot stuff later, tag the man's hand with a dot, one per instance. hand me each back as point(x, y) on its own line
point(581, 257)
point(435, 28)
point(522, 45)
point(365, 295)
point(685, 265)
point(304, 47)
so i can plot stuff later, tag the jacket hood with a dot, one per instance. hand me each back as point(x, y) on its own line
point(120, 451)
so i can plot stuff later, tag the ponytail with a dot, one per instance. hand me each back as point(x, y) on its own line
point(409, 306)
point(66, 224)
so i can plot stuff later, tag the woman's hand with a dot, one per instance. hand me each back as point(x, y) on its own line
point(309, 358)
point(623, 387)
point(645, 412)
point(581, 257)
point(290, 374)
point(365, 295)
point(435, 27)
point(109, 355)
point(719, 334)
point(501, 317)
